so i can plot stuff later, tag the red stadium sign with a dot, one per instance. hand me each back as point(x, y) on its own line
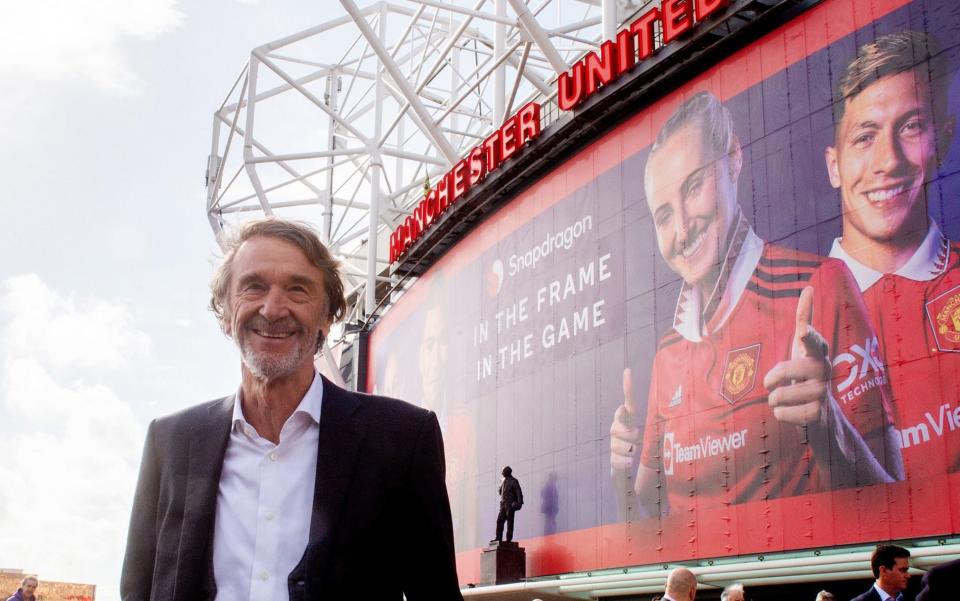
point(486, 157)
point(633, 44)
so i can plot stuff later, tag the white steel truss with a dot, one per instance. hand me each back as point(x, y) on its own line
point(344, 123)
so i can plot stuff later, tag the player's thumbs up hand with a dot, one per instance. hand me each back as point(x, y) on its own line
point(799, 386)
point(624, 435)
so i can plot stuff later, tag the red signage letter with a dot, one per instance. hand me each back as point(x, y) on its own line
point(528, 123)
point(461, 179)
point(570, 91)
point(643, 29)
point(508, 138)
point(478, 167)
point(601, 69)
point(491, 147)
point(677, 18)
point(626, 53)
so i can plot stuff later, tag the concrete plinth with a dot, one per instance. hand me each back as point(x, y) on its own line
point(502, 563)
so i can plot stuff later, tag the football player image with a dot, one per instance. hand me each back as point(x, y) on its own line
point(744, 397)
point(893, 130)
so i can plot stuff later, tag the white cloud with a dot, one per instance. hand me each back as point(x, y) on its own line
point(66, 332)
point(71, 446)
point(54, 39)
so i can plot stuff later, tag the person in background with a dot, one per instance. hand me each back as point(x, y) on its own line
point(290, 488)
point(825, 596)
point(748, 362)
point(893, 130)
point(941, 583)
point(891, 567)
point(733, 592)
point(681, 586)
point(27, 590)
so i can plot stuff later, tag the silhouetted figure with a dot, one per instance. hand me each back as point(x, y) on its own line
point(550, 504)
point(941, 583)
point(511, 500)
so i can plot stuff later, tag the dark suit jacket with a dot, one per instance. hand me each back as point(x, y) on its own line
point(380, 526)
point(941, 582)
point(870, 595)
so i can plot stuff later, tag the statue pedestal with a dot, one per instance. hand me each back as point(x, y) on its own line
point(502, 563)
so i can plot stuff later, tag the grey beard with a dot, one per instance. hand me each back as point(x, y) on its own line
point(268, 367)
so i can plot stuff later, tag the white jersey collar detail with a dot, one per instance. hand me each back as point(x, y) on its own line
point(927, 262)
point(689, 319)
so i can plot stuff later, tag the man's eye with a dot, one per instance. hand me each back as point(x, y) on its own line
point(863, 139)
point(911, 128)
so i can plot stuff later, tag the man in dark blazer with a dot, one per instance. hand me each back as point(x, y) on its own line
point(291, 488)
point(891, 567)
point(941, 583)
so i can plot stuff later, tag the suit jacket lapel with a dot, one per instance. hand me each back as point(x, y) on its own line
point(341, 434)
point(208, 444)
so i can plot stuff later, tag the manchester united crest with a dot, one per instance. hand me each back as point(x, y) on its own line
point(943, 312)
point(740, 373)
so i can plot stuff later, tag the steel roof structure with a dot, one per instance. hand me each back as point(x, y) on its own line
point(343, 124)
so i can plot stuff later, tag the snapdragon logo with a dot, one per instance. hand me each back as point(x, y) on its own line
point(708, 446)
point(561, 240)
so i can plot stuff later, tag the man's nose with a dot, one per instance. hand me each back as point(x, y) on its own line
point(274, 304)
point(887, 153)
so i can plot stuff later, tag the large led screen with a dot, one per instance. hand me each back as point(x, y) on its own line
point(729, 326)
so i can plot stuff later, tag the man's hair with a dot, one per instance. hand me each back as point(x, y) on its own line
point(886, 556)
point(706, 111)
point(825, 596)
point(735, 587)
point(303, 237)
point(27, 579)
point(891, 54)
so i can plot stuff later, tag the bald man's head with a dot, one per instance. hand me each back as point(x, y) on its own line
point(681, 585)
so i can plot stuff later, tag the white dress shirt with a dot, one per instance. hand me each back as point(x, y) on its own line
point(264, 503)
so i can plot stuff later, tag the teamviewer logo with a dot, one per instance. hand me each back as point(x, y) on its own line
point(668, 454)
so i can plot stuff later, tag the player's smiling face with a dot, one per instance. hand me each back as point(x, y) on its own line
point(277, 307)
point(692, 193)
point(885, 153)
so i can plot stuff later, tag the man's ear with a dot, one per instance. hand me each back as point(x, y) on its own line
point(833, 167)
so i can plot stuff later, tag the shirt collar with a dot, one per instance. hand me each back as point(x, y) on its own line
point(883, 594)
point(927, 262)
point(310, 404)
point(693, 321)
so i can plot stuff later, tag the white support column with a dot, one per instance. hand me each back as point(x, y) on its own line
point(376, 173)
point(529, 23)
point(608, 9)
point(429, 129)
point(454, 80)
point(327, 218)
point(500, 74)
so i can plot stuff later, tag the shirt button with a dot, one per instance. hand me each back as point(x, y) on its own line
point(264, 575)
point(269, 515)
point(274, 456)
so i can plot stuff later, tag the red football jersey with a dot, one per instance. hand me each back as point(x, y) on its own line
point(917, 318)
point(709, 428)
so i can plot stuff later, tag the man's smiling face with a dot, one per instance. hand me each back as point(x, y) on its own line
point(884, 156)
point(277, 304)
